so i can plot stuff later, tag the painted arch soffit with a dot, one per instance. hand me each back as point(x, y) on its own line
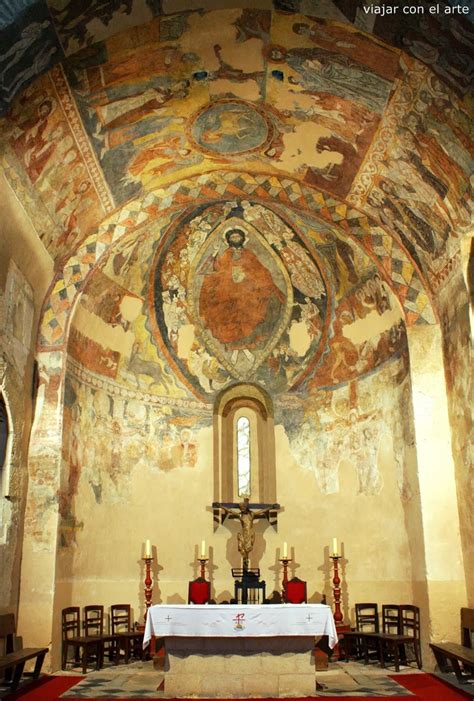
point(165, 204)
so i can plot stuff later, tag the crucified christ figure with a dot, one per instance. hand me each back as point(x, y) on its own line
point(246, 537)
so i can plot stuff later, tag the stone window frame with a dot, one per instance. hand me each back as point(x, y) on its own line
point(231, 403)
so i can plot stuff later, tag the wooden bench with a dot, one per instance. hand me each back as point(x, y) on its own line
point(450, 656)
point(13, 661)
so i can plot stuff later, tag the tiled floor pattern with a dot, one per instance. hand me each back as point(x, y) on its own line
point(138, 680)
point(142, 680)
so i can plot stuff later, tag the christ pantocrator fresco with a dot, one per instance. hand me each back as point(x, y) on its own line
point(236, 286)
point(239, 299)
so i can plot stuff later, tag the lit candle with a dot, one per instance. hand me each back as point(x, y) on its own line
point(147, 548)
point(285, 549)
point(203, 548)
point(334, 546)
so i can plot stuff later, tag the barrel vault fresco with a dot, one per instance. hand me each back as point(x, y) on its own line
point(164, 100)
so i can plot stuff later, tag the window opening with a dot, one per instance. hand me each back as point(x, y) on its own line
point(243, 456)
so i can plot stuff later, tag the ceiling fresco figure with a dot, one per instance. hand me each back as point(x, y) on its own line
point(239, 299)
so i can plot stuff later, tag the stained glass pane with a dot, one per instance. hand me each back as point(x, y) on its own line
point(243, 456)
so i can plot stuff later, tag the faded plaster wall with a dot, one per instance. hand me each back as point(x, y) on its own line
point(25, 272)
point(346, 475)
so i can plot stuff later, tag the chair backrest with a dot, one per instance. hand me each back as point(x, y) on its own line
point(71, 622)
point(256, 593)
point(93, 619)
point(120, 618)
point(7, 631)
point(249, 591)
point(410, 620)
point(391, 618)
point(296, 591)
point(367, 617)
point(199, 591)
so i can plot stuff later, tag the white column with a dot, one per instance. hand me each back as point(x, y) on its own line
point(442, 586)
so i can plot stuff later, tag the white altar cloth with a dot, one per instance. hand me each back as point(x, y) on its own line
point(233, 620)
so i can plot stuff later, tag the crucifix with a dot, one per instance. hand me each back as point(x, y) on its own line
point(246, 513)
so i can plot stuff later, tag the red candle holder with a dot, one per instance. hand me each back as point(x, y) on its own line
point(148, 584)
point(284, 561)
point(203, 561)
point(338, 616)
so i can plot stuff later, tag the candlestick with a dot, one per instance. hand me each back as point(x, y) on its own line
point(285, 549)
point(284, 561)
point(148, 580)
point(203, 548)
point(147, 548)
point(203, 561)
point(338, 616)
point(334, 547)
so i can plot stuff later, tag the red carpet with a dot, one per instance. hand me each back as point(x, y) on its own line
point(425, 687)
point(45, 689)
point(430, 688)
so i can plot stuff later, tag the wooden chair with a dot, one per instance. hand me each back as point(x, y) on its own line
point(249, 592)
point(295, 591)
point(248, 587)
point(199, 591)
point(395, 645)
point(390, 618)
point(12, 662)
point(85, 647)
point(358, 641)
point(93, 626)
point(126, 639)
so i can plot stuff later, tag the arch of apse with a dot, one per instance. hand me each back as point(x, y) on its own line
point(404, 278)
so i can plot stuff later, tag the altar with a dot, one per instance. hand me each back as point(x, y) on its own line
point(233, 650)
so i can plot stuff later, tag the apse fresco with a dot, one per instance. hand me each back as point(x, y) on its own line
point(84, 22)
point(43, 141)
point(416, 183)
point(239, 296)
point(234, 291)
point(338, 435)
point(442, 41)
point(39, 34)
point(29, 44)
point(230, 127)
point(110, 438)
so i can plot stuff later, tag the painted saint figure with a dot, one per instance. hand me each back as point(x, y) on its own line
point(239, 301)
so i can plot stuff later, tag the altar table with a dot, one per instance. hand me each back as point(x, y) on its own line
point(233, 650)
point(233, 620)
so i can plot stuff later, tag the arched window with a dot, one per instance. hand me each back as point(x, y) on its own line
point(244, 446)
point(243, 457)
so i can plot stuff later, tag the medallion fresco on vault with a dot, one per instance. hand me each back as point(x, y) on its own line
point(230, 128)
point(238, 296)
